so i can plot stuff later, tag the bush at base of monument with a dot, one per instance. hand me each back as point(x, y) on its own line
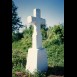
point(36, 74)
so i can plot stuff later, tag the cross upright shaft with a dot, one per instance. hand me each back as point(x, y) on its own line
point(36, 20)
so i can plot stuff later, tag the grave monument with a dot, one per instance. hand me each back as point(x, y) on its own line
point(37, 57)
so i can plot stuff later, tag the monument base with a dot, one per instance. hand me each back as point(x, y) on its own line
point(37, 60)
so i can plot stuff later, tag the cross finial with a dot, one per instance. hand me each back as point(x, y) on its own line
point(37, 13)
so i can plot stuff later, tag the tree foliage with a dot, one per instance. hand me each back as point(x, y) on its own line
point(16, 24)
point(44, 31)
point(56, 34)
point(16, 36)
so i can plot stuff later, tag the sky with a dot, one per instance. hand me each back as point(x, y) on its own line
point(51, 10)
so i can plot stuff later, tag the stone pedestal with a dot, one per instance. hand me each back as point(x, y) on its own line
point(36, 60)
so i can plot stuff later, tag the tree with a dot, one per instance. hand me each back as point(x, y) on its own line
point(16, 24)
point(56, 34)
point(28, 31)
point(44, 31)
point(16, 36)
point(59, 31)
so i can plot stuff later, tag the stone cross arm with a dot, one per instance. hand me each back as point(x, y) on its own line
point(31, 19)
point(43, 21)
point(35, 20)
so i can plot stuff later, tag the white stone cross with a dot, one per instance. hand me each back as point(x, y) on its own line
point(36, 58)
point(36, 21)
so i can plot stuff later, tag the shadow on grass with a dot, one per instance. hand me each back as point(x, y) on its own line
point(56, 70)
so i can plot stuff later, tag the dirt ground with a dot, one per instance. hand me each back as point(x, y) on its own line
point(52, 72)
point(56, 71)
point(54, 76)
